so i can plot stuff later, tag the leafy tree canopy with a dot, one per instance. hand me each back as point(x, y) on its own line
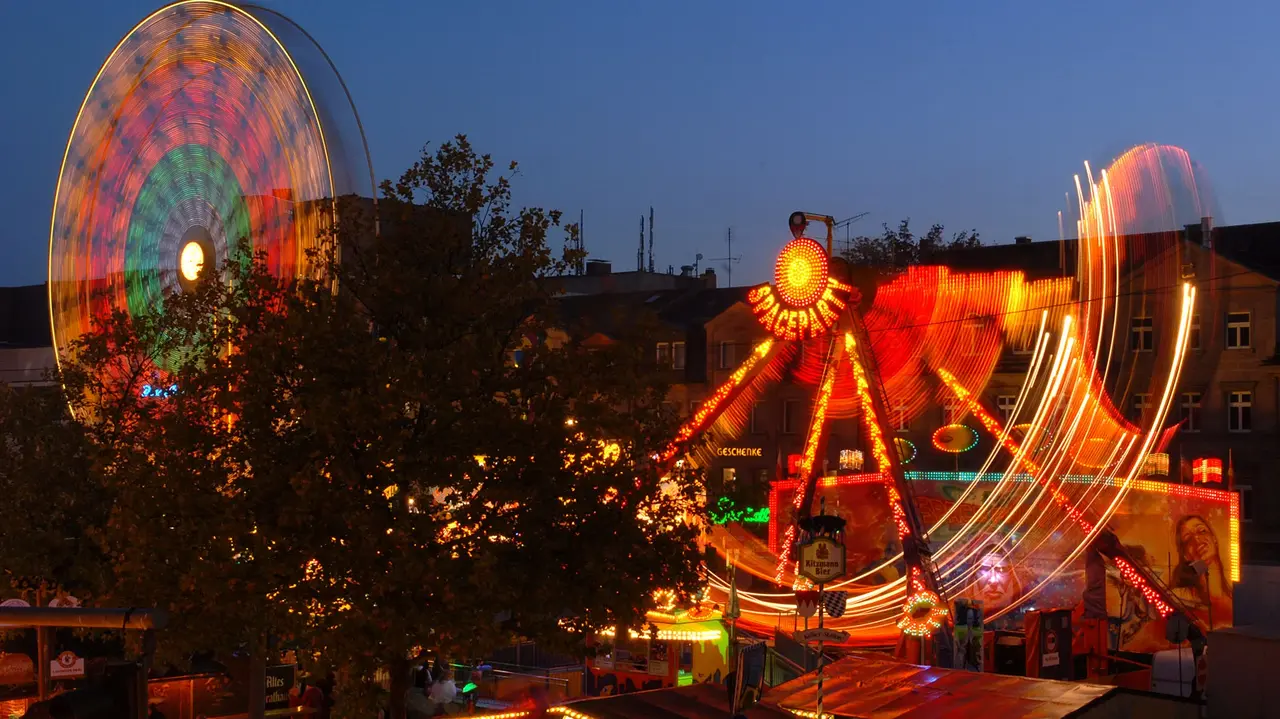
point(352, 463)
point(897, 248)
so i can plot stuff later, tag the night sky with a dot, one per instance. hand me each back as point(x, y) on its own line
point(974, 115)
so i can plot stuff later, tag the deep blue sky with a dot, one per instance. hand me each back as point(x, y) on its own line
point(724, 114)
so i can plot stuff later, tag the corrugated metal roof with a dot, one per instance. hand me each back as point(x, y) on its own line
point(698, 701)
point(868, 686)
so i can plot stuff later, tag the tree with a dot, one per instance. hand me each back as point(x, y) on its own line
point(899, 248)
point(352, 464)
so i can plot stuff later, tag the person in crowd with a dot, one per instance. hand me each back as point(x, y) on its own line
point(443, 691)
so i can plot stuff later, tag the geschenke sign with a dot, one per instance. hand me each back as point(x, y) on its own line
point(740, 451)
point(821, 560)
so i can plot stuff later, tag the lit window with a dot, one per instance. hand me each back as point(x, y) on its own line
point(1246, 502)
point(1140, 407)
point(1239, 331)
point(1191, 411)
point(728, 360)
point(663, 356)
point(1240, 411)
point(792, 411)
point(1193, 335)
point(677, 355)
point(1141, 337)
point(899, 416)
point(1005, 404)
point(729, 476)
point(757, 426)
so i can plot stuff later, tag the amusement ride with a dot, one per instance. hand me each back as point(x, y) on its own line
point(1061, 465)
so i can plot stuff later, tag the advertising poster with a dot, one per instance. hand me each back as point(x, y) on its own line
point(1186, 543)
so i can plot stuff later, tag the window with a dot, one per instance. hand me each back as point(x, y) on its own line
point(757, 426)
point(1141, 336)
point(791, 416)
point(693, 407)
point(677, 355)
point(899, 416)
point(1239, 411)
point(1190, 411)
point(1193, 335)
point(1246, 502)
point(953, 411)
point(1239, 331)
point(969, 340)
point(728, 477)
point(1141, 404)
point(728, 355)
point(663, 356)
point(1005, 404)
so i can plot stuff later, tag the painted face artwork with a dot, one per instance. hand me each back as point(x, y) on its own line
point(1196, 541)
point(996, 583)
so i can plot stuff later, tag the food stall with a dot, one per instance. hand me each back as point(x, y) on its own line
point(687, 647)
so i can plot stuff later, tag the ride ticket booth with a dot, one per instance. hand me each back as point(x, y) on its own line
point(689, 647)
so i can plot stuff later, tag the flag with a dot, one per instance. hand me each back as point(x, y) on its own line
point(806, 603)
point(834, 603)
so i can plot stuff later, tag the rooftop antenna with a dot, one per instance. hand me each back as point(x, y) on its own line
point(728, 260)
point(845, 223)
point(640, 252)
point(651, 238)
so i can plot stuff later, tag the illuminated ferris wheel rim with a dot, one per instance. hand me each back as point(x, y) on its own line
point(67, 183)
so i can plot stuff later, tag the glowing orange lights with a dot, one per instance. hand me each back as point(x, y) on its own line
point(801, 272)
point(710, 408)
point(923, 613)
point(1206, 469)
point(955, 438)
point(1149, 593)
point(879, 448)
point(805, 301)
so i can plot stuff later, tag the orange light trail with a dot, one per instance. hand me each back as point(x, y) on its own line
point(709, 408)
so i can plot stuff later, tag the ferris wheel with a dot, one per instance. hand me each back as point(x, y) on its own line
point(208, 124)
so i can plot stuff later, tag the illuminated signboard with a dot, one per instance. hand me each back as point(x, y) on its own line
point(805, 300)
point(740, 452)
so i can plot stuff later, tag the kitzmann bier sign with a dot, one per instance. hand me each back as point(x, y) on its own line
point(821, 560)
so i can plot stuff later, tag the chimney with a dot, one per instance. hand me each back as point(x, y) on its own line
point(709, 278)
point(1206, 232)
point(599, 268)
point(1022, 240)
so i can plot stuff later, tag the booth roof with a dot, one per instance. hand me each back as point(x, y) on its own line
point(697, 701)
point(866, 685)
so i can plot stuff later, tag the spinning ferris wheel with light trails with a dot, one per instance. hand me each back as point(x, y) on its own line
point(209, 124)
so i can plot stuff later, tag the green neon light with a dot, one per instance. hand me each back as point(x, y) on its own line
point(727, 511)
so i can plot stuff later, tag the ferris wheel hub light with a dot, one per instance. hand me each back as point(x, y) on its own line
point(191, 261)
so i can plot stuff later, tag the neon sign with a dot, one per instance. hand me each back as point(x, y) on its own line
point(158, 392)
point(805, 300)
